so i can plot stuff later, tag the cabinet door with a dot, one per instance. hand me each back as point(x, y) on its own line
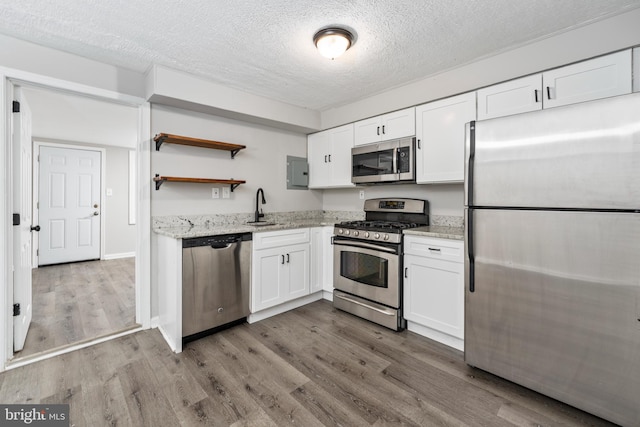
point(608, 75)
point(399, 124)
point(434, 294)
point(297, 265)
point(367, 131)
point(341, 142)
point(267, 281)
point(440, 132)
point(317, 153)
point(513, 97)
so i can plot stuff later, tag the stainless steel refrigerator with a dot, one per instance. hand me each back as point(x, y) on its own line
point(552, 278)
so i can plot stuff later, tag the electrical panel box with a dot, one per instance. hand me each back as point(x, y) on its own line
point(297, 173)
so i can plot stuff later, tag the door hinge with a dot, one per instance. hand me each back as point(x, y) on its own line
point(16, 106)
point(16, 309)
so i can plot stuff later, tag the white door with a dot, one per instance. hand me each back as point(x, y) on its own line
point(69, 205)
point(22, 233)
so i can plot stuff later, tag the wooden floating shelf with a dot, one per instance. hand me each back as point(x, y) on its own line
point(233, 183)
point(196, 142)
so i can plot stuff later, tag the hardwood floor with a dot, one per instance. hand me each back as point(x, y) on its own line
point(79, 301)
point(311, 366)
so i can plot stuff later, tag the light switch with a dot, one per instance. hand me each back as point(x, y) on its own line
point(226, 192)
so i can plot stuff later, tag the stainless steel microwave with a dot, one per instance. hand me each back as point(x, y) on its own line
point(384, 162)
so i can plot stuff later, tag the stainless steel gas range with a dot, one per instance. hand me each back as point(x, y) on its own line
point(367, 259)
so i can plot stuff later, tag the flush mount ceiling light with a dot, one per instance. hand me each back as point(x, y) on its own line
point(333, 42)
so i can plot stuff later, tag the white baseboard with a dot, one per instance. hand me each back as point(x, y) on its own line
point(279, 309)
point(118, 256)
point(328, 295)
point(155, 322)
point(441, 337)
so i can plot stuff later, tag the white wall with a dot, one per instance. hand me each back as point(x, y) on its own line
point(120, 236)
point(444, 199)
point(261, 164)
point(22, 55)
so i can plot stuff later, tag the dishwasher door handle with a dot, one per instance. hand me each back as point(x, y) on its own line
point(223, 245)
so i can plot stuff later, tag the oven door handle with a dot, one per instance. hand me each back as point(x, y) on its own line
point(353, 301)
point(363, 245)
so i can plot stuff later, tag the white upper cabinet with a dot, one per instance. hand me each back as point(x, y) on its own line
point(608, 75)
point(440, 134)
point(596, 78)
point(513, 97)
point(329, 154)
point(387, 126)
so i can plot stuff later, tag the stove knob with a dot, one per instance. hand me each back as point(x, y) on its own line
point(355, 233)
point(340, 231)
point(346, 232)
point(377, 235)
point(366, 234)
point(386, 237)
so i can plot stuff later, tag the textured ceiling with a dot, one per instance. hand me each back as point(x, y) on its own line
point(266, 48)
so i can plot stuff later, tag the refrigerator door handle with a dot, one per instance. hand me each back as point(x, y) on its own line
point(471, 154)
point(470, 254)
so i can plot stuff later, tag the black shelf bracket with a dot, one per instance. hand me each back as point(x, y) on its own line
point(233, 155)
point(159, 142)
point(158, 183)
point(234, 186)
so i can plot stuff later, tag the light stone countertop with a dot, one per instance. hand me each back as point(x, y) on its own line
point(185, 232)
point(185, 227)
point(441, 232)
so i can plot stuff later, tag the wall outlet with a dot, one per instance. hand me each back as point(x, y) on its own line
point(226, 192)
point(361, 194)
point(215, 193)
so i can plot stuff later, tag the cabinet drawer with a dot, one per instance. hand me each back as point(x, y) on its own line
point(274, 239)
point(444, 249)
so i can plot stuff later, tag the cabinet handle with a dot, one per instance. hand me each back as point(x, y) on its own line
point(535, 94)
point(418, 144)
point(406, 272)
point(329, 158)
point(287, 258)
point(548, 92)
point(282, 262)
point(383, 129)
point(434, 249)
point(325, 158)
point(378, 130)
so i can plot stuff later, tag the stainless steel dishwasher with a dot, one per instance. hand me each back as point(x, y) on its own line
point(216, 275)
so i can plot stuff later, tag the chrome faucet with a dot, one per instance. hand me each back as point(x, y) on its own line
point(259, 213)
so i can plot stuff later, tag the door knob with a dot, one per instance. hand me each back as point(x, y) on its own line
point(96, 213)
point(35, 228)
point(95, 206)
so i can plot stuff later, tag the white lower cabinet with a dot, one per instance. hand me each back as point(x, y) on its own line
point(322, 261)
point(434, 288)
point(280, 267)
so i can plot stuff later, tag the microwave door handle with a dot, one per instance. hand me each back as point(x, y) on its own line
point(364, 245)
point(396, 167)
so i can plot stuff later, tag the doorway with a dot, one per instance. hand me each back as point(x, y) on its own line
point(136, 268)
